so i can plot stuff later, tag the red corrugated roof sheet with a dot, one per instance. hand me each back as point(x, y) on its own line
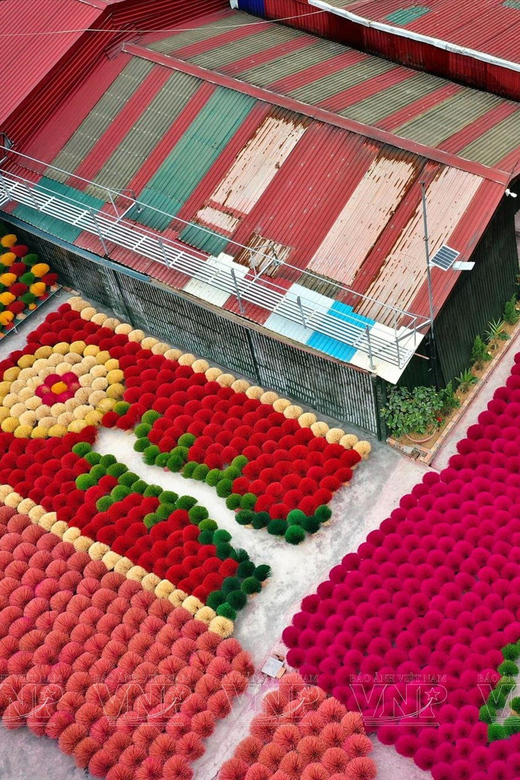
point(32, 45)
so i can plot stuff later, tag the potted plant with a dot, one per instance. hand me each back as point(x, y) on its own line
point(417, 413)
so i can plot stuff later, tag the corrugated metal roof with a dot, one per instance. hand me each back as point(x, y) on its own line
point(25, 59)
point(335, 205)
point(415, 105)
point(493, 26)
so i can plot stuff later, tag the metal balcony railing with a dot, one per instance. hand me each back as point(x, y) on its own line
point(395, 345)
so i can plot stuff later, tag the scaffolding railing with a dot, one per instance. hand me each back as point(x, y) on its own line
point(116, 225)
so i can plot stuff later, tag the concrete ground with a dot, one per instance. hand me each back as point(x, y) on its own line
point(377, 486)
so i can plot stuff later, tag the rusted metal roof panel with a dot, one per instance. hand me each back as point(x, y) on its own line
point(363, 218)
point(403, 272)
point(375, 92)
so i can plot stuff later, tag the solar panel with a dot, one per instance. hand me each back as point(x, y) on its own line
point(444, 258)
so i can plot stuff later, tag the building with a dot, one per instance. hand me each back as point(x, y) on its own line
point(255, 193)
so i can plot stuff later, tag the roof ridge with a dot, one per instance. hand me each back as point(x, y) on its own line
point(322, 115)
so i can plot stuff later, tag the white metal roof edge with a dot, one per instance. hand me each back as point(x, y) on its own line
point(413, 36)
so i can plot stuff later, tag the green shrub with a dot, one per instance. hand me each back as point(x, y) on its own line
point(186, 440)
point(213, 477)
point(487, 713)
point(153, 491)
point(142, 430)
point(121, 408)
point(261, 520)
point(239, 462)
point(237, 599)
point(224, 488)
point(97, 472)
point(262, 572)
point(151, 519)
point(227, 611)
point(141, 444)
point(248, 501)
point(168, 497)
point(323, 513)
point(515, 704)
point(233, 501)
point(85, 481)
point(104, 503)
point(294, 534)
point(496, 732)
point(92, 457)
point(108, 460)
point(215, 599)
point(174, 463)
point(511, 652)
point(221, 536)
point(508, 668)
point(150, 417)
point(231, 473)
point(511, 315)
point(229, 584)
point(479, 352)
point(511, 724)
point(139, 486)
point(150, 454)
point(246, 569)
point(244, 517)
point(162, 459)
point(201, 472)
point(311, 524)
point(208, 525)
point(277, 527)
point(251, 585)
point(120, 492)
point(185, 502)
point(165, 510)
point(206, 537)
point(198, 513)
point(497, 698)
point(117, 470)
point(81, 448)
point(224, 551)
point(189, 469)
point(296, 517)
point(128, 478)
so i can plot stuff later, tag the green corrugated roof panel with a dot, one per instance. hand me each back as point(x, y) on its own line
point(205, 32)
point(193, 156)
point(375, 108)
point(99, 119)
point(284, 66)
point(404, 16)
point(207, 242)
point(492, 146)
point(336, 82)
point(138, 144)
point(50, 224)
point(512, 4)
point(245, 47)
point(448, 117)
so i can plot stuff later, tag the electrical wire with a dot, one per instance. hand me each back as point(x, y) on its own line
point(160, 30)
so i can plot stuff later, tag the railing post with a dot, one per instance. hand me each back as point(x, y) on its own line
point(163, 250)
point(113, 204)
point(370, 358)
point(103, 242)
point(237, 291)
point(4, 187)
point(302, 313)
point(398, 352)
